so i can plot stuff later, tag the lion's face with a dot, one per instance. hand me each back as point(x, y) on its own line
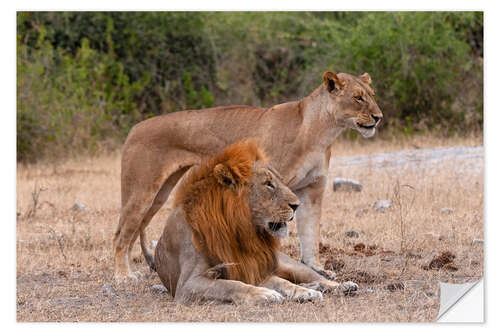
point(272, 203)
point(355, 98)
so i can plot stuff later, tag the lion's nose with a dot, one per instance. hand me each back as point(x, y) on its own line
point(293, 206)
point(376, 118)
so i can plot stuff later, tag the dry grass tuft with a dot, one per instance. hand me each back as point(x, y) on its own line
point(64, 257)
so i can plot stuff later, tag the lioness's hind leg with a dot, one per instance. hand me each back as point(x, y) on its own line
point(122, 241)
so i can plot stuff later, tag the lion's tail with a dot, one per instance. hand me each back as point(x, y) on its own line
point(149, 257)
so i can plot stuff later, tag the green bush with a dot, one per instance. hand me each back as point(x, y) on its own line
point(69, 103)
point(84, 78)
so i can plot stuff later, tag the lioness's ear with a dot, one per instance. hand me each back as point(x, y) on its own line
point(366, 78)
point(224, 176)
point(332, 81)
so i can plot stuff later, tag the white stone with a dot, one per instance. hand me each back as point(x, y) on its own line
point(446, 210)
point(79, 207)
point(382, 204)
point(346, 184)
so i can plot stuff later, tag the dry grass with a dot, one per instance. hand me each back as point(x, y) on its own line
point(64, 255)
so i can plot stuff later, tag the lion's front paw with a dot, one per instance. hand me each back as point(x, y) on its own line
point(305, 295)
point(263, 295)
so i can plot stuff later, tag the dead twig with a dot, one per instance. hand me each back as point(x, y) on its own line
point(403, 208)
point(59, 238)
point(35, 195)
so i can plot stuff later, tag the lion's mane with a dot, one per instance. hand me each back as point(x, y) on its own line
point(220, 218)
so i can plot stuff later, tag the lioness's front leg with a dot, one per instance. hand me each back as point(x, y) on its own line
point(292, 291)
point(203, 288)
point(308, 224)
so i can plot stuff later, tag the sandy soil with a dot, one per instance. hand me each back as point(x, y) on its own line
point(397, 255)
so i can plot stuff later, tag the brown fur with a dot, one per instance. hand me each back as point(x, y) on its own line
point(220, 219)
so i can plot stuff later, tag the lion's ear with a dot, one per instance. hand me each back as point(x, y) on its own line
point(224, 176)
point(332, 81)
point(366, 78)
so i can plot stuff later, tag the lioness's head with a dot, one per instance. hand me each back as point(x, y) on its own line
point(271, 203)
point(352, 103)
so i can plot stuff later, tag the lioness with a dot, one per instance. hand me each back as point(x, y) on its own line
point(295, 135)
point(221, 240)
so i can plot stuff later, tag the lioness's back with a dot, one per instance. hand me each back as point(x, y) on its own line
point(180, 128)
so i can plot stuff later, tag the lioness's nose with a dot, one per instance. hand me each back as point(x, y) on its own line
point(293, 206)
point(376, 118)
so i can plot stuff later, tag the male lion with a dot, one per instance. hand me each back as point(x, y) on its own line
point(296, 137)
point(221, 240)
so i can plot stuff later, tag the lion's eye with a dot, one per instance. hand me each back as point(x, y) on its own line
point(269, 184)
point(359, 98)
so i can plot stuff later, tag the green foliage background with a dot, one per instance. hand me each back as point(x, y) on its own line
point(85, 78)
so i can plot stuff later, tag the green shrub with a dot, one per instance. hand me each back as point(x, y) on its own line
point(71, 103)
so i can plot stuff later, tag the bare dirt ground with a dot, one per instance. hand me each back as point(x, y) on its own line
point(432, 232)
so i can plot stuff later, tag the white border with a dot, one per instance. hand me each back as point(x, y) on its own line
point(492, 140)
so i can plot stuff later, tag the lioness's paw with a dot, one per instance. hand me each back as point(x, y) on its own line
point(305, 295)
point(348, 287)
point(126, 278)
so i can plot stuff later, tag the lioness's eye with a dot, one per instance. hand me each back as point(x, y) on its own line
point(269, 184)
point(359, 98)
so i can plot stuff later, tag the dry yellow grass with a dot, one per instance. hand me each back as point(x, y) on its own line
point(64, 256)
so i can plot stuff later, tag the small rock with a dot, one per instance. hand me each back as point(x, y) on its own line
point(160, 289)
point(79, 207)
point(429, 293)
point(346, 184)
point(154, 243)
point(477, 241)
point(446, 210)
point(359, 247)
point(351, 234)
point(381, 205)
point(439, 261)
point(108, 289)
point(386, 259)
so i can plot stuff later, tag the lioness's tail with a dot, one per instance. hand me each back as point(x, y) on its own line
point(149, 257)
